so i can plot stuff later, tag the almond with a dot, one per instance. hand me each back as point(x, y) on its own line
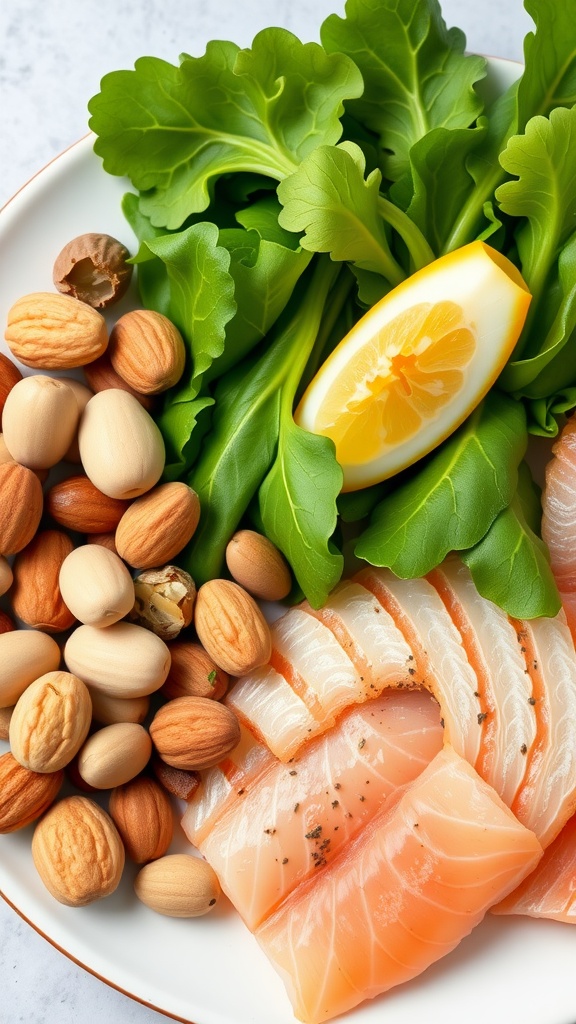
point(158, 525)
point(21, 503)
point(122, 660)
point(9, 376)
point(142, 813)
point(194, 732)
point(193, 673)
point(36, 596)
point(24, 657)
point(24, 795)
point(40, 420)
point(105, 540)
point(102, 376)
point(177, 781)
point(231, 627)
point(50, 722)
point(121, 447)
point(78, 505)
point(178, 885)
point(257, 565)
point(6, 576)
point(147, 351)
point(77, 852)
point(55, 332)
point(114, 755)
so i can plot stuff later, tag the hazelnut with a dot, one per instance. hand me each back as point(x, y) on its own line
point(164, 601)
point(93, 268)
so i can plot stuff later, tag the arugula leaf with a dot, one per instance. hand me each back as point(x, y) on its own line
point(416, 74)
point(328, 199)
point(356, 505)
point(511, 564)
point(174, 130)
point(450, 502)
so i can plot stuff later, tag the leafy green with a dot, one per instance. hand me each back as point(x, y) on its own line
point(416, 74)
point(174, 130)
point(449, 504)
point(356, 505)
point(511, 564)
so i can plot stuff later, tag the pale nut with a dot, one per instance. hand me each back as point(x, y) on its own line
point(193, 673)
point(83, 394)
point(231, 627)
point(5, 716)
point(77, 504)
point(36, 596)
point(177, 781)
point(9, 376)
point(156, 527)
point(50, 722)
point(24, 795)
point(258, 566)
point(142, 813)
point(49, 331)
point(123, 660)
point(77, 852)
point(147, 350)
point(21, 505)
point(96, 585)
point(114, 755)
point(7, 625)
point(194, 733)
point(25, 655)
point(40, 420)
point(102, 376)
point(121, 447)
point(164, 601)
point(108, 710)
point(178, 885)
point(94, 269)
point(6, 576)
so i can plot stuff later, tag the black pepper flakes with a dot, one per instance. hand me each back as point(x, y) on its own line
point(314, 833)
point(361, 743)
point(532, 701)
point(285, 860)
point(523, 749)
point(482, 716)
point(335, 803)
point(337, 785)
point(270, 831)
point(296, 806)
point(293, 772)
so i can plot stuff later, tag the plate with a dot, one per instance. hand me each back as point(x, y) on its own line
point(211, 970)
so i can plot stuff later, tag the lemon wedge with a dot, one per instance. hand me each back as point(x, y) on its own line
point(413, 368)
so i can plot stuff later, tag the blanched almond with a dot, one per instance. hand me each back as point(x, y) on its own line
point(178, 885)
point(55, 332)
point(36, 596)
point(96, 585)
point(24, 794)
point(114, 755)
point(50, 722)
point(122, 660)
point(25, 655)
point(82, 394)
point(39, 422)
point(121, 447)
point(156, 527)
point(231, 627)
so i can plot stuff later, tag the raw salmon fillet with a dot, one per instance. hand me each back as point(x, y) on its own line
point(278, 824)
point(401, 894)
point(559, 518)
point(550, 891)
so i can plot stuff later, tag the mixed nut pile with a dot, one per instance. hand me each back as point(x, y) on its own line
point(88, 536)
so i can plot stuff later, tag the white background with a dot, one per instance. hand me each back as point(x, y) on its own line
point(52, 56)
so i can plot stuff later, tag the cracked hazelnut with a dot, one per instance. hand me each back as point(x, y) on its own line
point(164, 601)
point(93, 268)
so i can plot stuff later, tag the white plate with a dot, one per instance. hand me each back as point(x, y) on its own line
point(211, 970)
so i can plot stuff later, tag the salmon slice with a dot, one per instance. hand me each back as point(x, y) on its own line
point(278, 826)
point(559, 518)
point(550, 891)
point(401, 894)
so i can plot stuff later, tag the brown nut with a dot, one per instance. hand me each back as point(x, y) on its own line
point(6, 576)
point(158, 525)
point(5, 716)
point(9, 376)
point(50, 722)
point(105, 540)
point(21, 504)
point(194, 733)
point(93, 268)
point(164, 601)
point(178, 885)
point(193, 673)
point(78, 852)
point(147, 351)
point(102, 376)
point(78, 505)
point(24, 795)
point(36, 597)
point(231, 627)
point(25, 655)
point(108, 710)
point(177, 781)
point(40, 421)
point(7, 625)
point(114, 755)
point(55, 332)
point(258, 566)
point(142, 813)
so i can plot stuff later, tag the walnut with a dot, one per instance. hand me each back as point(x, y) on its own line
point(93, 268)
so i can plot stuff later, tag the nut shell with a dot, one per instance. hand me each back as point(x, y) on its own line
point(40, 420)
point(231, 627)
point(49, 331)
point(158, 525)
point(114, 755)
point(122, 660)
point(164, 601)
point(194, 732)
point(178, 885)
point(147, 351)
point(258, 566)
point(142, 813)
point(36, 596)
point(96, 585)
point(77, 504)
point(21, 504)
point(121, 447)
point(78, 852)
point(193, 673)
point(93, 268)
point(25, 655)
point(50, 722)
point(24, 795)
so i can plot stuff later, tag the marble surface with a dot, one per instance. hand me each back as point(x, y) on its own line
point(52, 56)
